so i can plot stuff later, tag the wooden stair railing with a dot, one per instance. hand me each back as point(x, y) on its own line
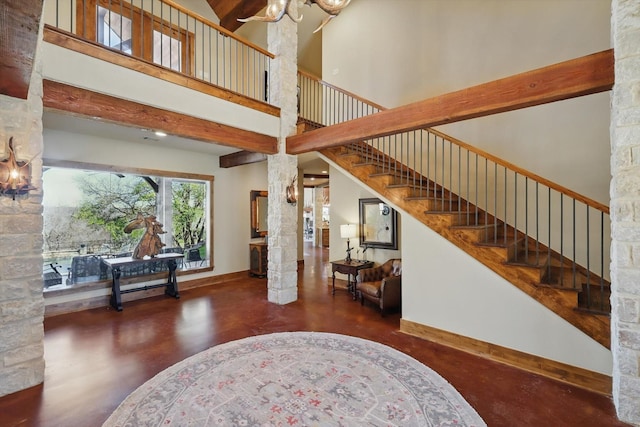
point(544, 238)
point(570, 290)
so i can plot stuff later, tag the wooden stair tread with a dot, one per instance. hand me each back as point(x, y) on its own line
point(499, 257)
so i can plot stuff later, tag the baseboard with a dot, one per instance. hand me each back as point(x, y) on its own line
point(72, 306)
point(573, 375)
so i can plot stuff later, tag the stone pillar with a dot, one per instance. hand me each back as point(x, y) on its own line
point(21, 300)
point(625, 210)
point(282, 274)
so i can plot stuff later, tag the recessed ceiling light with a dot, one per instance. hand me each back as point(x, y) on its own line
point(160, 133)
point(313, 179)
point(325, 172)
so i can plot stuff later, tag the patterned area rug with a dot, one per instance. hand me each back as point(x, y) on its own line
point(296, 379)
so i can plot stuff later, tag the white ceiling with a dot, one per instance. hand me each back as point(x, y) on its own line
point(87, 126)
point(310, 163)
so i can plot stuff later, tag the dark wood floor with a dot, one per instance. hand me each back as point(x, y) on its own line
point(97, 357)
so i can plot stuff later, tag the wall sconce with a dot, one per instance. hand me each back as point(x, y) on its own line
point(292, 192)
point(15, 176)
point(348, 231)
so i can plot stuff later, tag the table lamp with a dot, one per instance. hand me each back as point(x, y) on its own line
point(348, 231)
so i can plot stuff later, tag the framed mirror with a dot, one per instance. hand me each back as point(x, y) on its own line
point(259, 208)
point(378, 225)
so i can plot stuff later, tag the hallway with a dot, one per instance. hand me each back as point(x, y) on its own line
point(95, 358)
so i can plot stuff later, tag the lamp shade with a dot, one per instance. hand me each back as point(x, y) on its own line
point(348, 231)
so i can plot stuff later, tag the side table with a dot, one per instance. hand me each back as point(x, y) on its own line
point(350, 268)
point(116, 264)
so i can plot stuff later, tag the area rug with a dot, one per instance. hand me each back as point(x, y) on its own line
point(296, 379)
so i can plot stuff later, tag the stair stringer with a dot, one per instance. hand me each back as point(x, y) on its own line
point(560, 301)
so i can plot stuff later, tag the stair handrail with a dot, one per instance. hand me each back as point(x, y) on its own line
point(337, 89)
point(554, 186)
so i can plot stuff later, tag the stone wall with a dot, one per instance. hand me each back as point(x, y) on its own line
point(282, 274)
point(21, 300)
point(625, 210)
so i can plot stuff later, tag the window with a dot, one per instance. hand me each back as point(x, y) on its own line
point(114, 30)
point(143, 34)
point(86, 210)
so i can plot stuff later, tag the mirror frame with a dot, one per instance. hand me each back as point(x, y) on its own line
point(390, 222)
point(255, 233)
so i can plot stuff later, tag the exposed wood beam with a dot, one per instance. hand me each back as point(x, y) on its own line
point(577, 77)
point(19, 26)
point(241, 158)
point(228, 11)
point(82, 102)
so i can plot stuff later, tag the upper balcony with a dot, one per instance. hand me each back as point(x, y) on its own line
point(159, 54)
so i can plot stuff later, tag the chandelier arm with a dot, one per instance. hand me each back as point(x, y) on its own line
point(288, 9)
point(330, 7)
point(272, 14)
point(325, 21)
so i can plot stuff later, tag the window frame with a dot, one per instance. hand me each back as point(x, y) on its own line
point(68, 164)
point(143, 26)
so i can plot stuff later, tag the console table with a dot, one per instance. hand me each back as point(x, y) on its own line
point(116, 265)
point(350, 268)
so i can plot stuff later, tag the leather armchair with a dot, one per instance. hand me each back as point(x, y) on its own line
point(381, 285)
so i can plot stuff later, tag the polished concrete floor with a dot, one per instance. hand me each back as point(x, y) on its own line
point(97, 357)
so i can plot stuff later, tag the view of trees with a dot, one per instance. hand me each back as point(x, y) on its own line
point(99, 205)
point(111, 201)
point(188, 213)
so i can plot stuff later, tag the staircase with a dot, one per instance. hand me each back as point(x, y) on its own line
point(573, 292)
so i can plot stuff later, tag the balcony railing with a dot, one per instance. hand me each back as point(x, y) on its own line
point(328, 105)
point(170, 36)
point(543, 225)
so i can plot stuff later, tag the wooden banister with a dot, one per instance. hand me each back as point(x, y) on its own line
point(523, 172)
point(337, 89)
point(218, 28)
point(569, 79)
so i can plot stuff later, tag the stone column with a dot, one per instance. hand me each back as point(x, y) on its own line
point(21, 300)
point(625, 210)
point(282, 274)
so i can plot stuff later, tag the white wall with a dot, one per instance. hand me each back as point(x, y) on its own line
point(231, 204)
point(431, 47)
point(444, 288)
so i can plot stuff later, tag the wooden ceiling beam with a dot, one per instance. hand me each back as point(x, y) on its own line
point(19, 27)
point(82, 102)
point(228, 11)
point(240, 158)
point(577, 77)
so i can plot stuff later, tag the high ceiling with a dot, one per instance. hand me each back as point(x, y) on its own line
point(228, 11)
point(17, 48)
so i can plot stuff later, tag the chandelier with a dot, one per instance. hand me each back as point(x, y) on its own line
point(278, 8)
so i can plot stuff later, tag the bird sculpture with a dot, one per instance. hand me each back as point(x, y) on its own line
point(150, 243)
